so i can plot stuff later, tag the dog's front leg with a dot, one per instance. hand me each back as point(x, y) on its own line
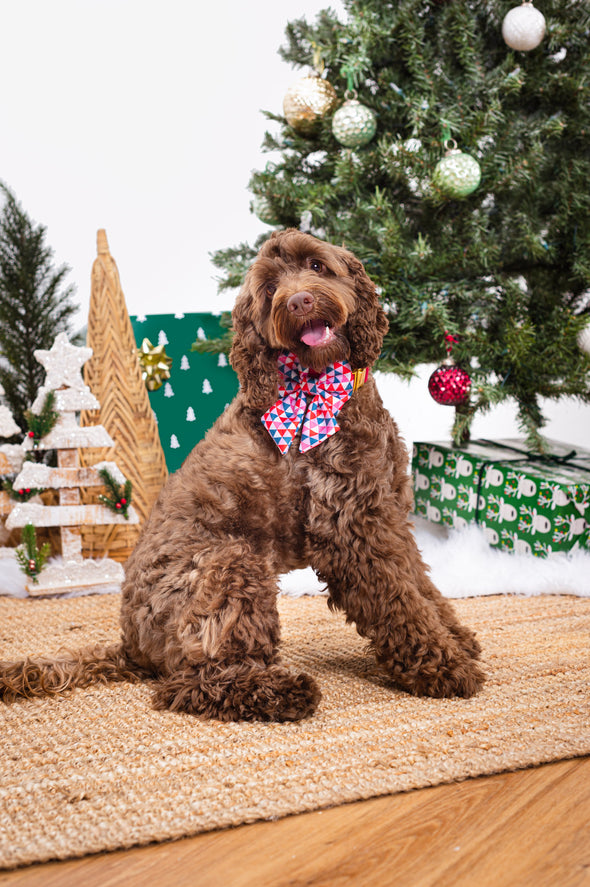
point(369, 562)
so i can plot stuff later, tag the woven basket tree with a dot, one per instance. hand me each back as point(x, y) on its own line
point(114, 374)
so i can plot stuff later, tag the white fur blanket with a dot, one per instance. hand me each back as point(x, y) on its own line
point(462, 565)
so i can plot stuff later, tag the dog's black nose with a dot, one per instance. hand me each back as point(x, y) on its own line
point(300, 303)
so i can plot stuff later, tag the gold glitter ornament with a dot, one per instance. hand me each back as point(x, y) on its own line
point(523, 27)
point(353, 124)
point(155, 364)
point(307, 101)
point(456, 174)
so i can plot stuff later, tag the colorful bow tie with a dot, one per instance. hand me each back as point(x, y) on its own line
point(329, 393)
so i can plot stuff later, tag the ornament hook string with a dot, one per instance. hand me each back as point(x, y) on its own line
point(446, 131)
point(351, 75)
point(318, 62)
point(450, 341)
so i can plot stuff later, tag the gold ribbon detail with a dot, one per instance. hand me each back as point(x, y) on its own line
point(155, 364)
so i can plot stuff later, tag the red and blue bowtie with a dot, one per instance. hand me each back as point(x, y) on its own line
point(328, 391)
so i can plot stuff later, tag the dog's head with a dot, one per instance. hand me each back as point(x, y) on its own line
point(306, 296)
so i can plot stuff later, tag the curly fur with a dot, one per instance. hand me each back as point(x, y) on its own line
point(198, 610)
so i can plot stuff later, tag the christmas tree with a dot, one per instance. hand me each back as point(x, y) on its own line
point(456, 167)
point(35, 304)
point(63, 363)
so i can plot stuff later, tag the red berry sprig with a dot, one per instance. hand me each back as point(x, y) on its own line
point(117, 499)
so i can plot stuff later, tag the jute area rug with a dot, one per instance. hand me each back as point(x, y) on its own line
point(98, 769)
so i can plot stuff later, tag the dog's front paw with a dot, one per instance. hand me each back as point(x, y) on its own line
point(440, 676)
point(463, 678)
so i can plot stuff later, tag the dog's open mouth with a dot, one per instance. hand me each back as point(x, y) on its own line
point(316, 333)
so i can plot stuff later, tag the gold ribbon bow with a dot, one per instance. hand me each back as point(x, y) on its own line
point(155, 364)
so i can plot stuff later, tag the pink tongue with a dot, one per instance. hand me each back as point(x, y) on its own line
point(315, 334)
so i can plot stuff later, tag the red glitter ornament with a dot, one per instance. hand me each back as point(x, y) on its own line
point(449, 385)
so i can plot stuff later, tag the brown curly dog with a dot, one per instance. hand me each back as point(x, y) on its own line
point(199, 607)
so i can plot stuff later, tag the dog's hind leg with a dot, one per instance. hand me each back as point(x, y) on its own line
point(225, 664)
point(239, 691)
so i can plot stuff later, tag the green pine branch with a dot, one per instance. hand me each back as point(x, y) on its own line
point(20, 495)
point(118, 496)
point(220, 345)
point(40, 424)
point(29, 556)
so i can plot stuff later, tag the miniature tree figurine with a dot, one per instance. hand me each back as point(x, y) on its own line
point(63, 364)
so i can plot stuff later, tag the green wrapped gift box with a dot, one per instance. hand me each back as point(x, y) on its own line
point(523, 502)
point(200, 385)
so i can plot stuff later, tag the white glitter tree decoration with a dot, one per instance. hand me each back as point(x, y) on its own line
point(63, 364)
point(11, 455)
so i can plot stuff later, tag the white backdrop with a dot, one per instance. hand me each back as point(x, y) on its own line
point(144, 118)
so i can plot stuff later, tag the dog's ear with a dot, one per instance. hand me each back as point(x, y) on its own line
point(254, 361)
point(367, 325)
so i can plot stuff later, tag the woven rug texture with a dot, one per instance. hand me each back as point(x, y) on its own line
point(99, 769)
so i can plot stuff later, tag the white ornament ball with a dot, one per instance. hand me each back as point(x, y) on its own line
point(353, 124)
point(584, 339)
point(456, 174)
point(523, 27)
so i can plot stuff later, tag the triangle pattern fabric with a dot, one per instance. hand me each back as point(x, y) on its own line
point(309, 400)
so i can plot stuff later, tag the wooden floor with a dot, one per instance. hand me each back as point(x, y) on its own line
point(530, 827)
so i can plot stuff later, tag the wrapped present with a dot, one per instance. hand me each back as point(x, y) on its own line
point(187, 390)
point(523, 502)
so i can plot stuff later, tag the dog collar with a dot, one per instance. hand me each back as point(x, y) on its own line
point(359, 378)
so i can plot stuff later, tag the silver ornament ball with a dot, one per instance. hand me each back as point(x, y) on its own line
point(523, 27)
point(354, 125)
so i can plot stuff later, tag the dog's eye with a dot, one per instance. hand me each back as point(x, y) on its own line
point(316, 265)
point(270, 289)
